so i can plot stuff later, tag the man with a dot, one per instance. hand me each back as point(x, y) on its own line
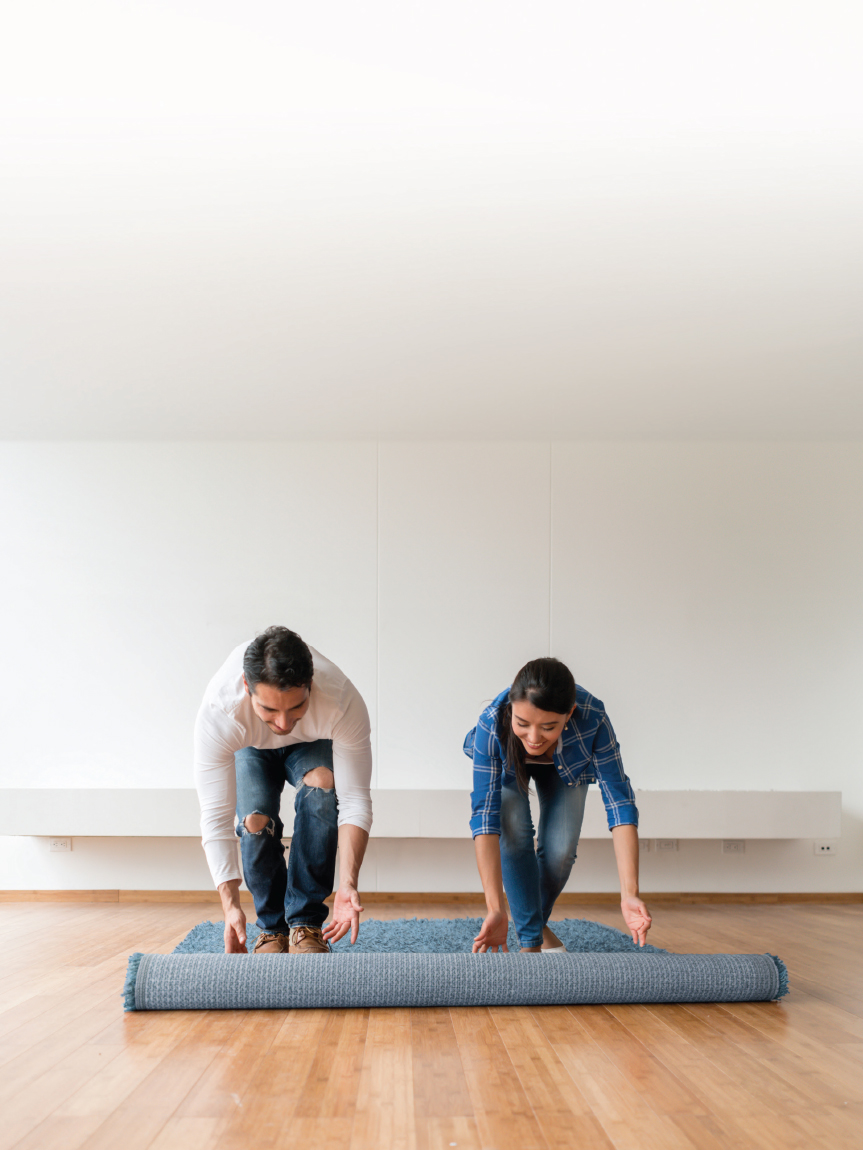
point(277, 711)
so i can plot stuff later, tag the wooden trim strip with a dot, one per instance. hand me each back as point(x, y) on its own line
point(573, 898)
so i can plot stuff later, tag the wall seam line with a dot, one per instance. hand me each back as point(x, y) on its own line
point(550, 532)
point(377, 610)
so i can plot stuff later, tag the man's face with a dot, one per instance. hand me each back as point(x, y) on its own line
point(280, 710)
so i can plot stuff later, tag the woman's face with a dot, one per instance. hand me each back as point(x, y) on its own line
point(538, 730)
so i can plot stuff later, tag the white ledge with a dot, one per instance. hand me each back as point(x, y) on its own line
point(102, 812)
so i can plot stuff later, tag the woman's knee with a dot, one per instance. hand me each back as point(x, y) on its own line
point(516, 832)
point(557, 860)
point(515, 812)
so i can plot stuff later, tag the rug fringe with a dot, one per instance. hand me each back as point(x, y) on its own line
point(128, 991)
point(783, 976)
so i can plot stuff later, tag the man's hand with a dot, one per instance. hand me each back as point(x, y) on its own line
point(492, 933)
point(346, 915)
point(637, 918)
point(235, 931)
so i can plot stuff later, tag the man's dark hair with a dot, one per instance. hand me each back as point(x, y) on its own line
point(278, 658)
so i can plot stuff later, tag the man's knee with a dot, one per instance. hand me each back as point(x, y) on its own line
point(320, 777)
point(257, 822)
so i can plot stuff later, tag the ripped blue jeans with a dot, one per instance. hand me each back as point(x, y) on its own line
point(292, 894)
point(533, 877)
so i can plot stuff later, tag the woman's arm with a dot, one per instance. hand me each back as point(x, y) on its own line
point(635, 913)
point(492, 933)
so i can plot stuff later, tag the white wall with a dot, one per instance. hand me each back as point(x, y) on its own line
point(391, 220)
point(131, 570)
point(709, 593)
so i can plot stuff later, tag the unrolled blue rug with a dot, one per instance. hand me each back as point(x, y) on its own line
point(427, 962)
point(431, 936)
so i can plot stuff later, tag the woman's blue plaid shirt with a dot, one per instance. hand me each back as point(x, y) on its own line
point(587, 752)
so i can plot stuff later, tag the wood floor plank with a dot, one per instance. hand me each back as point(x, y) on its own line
point(191, 1133)
point(80, 1114)
point(627, 1119)
point(504, 1115)
point(90, 1015)
point(833, 1127)
point(384, 1114)
point(439, 1080)
point(219, 1091)
point(332, 1082)
point(60, 1132)
point(22, 1108)
point(749, 1073)
point(559, 1104)
point(444, 1133)
point(266, 1106)
point(737, 1113)
point(821, 1054)
point(815, 1012)
point(805, 1076)
point(849, 1003)
point(661, 1088)
point(139, 1118)
point(78, 1074)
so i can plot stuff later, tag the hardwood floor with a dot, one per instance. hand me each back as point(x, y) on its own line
point(76, 1072)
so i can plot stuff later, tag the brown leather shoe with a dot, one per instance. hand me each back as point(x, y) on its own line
point(308, 940)
point(267, 943)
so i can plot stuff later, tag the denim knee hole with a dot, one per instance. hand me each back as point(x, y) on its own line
point(270, 827)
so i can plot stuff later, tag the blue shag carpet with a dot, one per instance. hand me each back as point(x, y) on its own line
point(432, 936)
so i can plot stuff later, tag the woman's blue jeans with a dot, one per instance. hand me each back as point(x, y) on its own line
point(533, 877)
point(293, 894)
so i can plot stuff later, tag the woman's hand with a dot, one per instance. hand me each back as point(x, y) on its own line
point(492, 933)
point(637, 918)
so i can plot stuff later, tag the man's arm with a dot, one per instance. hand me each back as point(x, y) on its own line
point(352, 772)
point(215, 781)
point(346, 905)
point(235, 919)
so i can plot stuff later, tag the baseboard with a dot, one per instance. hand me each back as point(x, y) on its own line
point(591, 898)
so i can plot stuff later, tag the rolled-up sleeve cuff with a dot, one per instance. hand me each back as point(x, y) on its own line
point(479, 825)
point(361, 819)
point(623, 816)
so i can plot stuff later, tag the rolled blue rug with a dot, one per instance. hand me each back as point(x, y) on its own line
point(197, 978)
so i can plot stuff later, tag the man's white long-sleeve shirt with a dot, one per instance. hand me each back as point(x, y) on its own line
point(227, 722)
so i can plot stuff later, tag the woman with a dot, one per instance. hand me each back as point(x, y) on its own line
point(547, 730)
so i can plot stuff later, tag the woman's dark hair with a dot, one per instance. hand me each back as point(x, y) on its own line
point(278, 658)
point(549, 685)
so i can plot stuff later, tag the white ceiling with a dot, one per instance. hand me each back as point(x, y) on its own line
point(463, 219)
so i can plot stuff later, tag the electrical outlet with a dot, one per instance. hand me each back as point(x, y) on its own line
point(733, 847)
point(60, 845)
point(826, 848)
point(644, 845)
point(666, 844)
